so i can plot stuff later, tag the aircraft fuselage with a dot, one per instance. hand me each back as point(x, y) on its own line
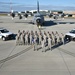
point(38, 19)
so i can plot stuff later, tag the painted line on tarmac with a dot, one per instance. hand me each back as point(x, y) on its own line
point(67, 52)
point(16, 55)
point(1, 22)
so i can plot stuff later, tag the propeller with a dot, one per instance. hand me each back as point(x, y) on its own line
point(12, 14)
point(20, 16)
point(26, 15)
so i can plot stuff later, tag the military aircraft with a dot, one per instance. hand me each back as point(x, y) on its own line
point(38, 19)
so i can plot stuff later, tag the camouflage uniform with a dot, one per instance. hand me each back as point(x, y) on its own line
point(62, 35)
point(44, 38)
point(57, 37)
point(35, 42)
point(43, 45)
point(26, 38)
point(30, 38)
point(23, 37)
point(18, 37)
point(49, 42)
point(39, 39)
point(53, 38)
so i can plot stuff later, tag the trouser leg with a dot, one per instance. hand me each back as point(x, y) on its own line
point(35, 46)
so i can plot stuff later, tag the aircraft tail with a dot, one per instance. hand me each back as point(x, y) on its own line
point(37, 6)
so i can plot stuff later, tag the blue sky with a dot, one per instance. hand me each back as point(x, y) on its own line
point(21, 5)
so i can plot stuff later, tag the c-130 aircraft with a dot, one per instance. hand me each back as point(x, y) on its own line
point(38, 19)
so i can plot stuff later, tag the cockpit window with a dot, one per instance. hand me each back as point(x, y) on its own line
point(72, 31)
point(37, 15)
point(4, 31)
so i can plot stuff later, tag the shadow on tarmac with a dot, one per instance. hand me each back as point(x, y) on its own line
point(65, 22)
point(58, 45)
point(49, 23)
point(55, 46)
point(1, 22)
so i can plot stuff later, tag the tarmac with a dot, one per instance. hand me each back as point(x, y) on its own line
point(23, 60)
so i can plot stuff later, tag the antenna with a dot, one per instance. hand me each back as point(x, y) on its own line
point(11, 6)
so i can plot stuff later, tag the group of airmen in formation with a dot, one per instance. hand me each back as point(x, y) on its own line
point(42, 39)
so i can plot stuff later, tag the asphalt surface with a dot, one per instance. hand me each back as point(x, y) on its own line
point(23, 60)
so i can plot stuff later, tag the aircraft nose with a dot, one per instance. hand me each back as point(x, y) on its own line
point(38, 21)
